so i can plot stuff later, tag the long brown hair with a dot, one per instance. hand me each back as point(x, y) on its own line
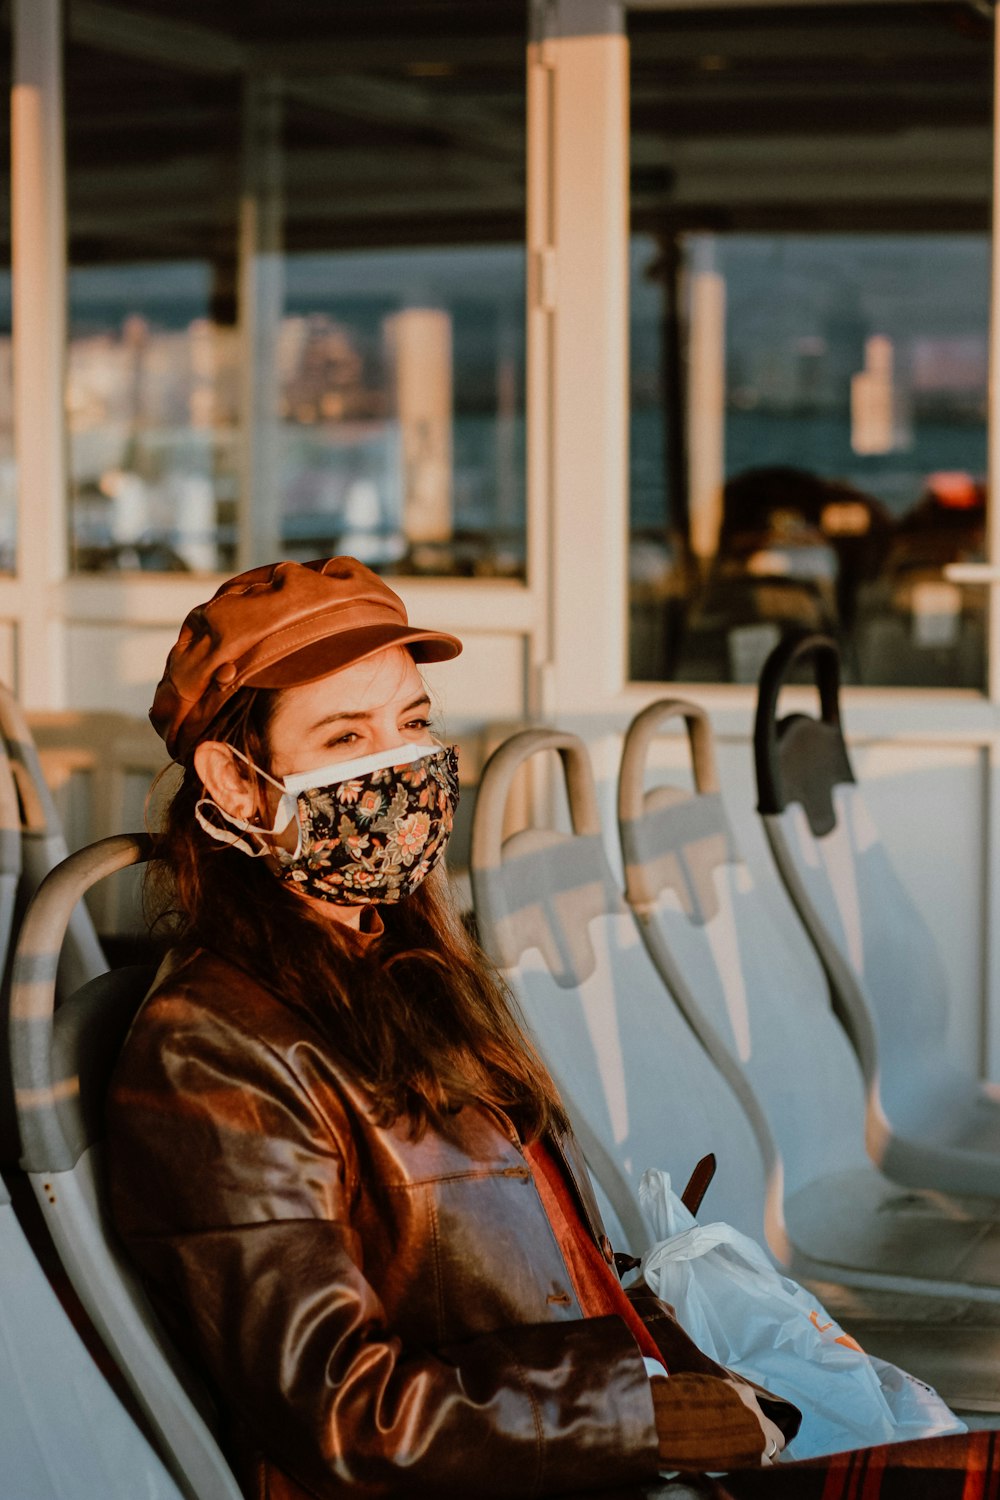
point(420, 1018)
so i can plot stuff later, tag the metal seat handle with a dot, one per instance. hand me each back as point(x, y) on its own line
point(37, 954)
point(10, 810)
point(640, 736)
point(38, 813)
point(796, 647)
point(497, 779)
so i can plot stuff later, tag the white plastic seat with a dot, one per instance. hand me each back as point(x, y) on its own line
point(43, 845)
point(929, 1123)
point(551, 917)
point(10, 885)
point(62, 1059)
point(765, 1019)
point(54, 1400)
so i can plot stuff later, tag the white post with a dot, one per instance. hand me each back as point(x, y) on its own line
point(261, 304)
point(993, 398)
point(706, 411)
point(578, 344)
point(419, 343)
point(540, 311)
point(991, 852)
point(38, 257)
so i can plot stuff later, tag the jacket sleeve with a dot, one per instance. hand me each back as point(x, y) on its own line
point(232, 1193)
point(704, 1413)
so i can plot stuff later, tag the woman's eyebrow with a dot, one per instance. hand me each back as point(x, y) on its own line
point(361, 714)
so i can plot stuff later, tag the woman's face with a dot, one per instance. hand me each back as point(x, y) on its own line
point(372, 706)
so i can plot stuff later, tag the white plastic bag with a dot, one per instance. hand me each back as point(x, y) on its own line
point(743, 1313)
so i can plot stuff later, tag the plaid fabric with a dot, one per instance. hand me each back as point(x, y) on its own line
point(965, 1467)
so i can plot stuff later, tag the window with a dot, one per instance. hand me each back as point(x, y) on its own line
point(8, 474)
point(296, 290)
point(810, 303)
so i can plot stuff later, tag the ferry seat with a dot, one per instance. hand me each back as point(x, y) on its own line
point(639, 1088)
point(10, 885)
point(915, 629)
point(735, 618)
point(62, 1059)
point(43, 845)
point(54, 1400)
point(930, 1124)
point(761, 1009)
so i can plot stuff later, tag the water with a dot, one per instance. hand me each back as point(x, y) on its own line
point(819, 442)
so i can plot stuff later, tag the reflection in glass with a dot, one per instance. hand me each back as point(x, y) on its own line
point(834, 436)
point(8, 470)
point(296, 297)
point(402, 408)
point(152, 409)
point(398, 434)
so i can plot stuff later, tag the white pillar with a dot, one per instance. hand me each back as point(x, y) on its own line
point(418, 344)
point(991, 856)
point(993, 398)
point(261, 304)
point(706, 411)
point(38, 257)
point(578, 346)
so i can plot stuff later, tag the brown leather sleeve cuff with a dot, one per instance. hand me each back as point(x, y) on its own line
point(702, 1424)
point(592, 1398)
point(683, 1357)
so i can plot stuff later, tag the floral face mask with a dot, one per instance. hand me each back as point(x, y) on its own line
point(369, 830)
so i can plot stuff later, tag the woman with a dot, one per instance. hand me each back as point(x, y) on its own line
point(340, 1165)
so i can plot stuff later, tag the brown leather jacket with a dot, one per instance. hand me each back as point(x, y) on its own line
point(379, 1315)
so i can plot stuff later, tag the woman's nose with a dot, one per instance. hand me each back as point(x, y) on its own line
point(385, 734)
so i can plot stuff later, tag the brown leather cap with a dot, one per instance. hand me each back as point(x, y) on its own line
point(280, 626)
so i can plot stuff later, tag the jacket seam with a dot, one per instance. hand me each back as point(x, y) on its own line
point(536, 1415)
point(432, 1215)
point(419, 1182)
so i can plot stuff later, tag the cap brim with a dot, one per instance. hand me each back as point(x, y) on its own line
point(335, 652)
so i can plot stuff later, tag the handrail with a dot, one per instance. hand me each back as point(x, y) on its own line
point(36, 961)
point(497, 778)
point(641, 733)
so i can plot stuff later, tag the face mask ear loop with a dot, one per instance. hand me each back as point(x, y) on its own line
point(262, 835)
point(223, 835)
point(286, 811)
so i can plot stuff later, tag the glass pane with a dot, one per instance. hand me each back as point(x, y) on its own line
point(8, 468)
point(809, 346)
point(8, 473)
point(402, 408)
point(153, 359)
point(152, 407)
point(297, 291)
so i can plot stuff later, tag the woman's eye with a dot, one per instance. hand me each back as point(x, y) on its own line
point(417, 724)
point(347, 738)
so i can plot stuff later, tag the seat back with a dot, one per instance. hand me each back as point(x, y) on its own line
point(762, 1014)
point(10, 850)
point(638, 1086)
point(62, 1060)
point(50, 1386)
point(43, 845)
point(887, 981)
point(10, 884)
